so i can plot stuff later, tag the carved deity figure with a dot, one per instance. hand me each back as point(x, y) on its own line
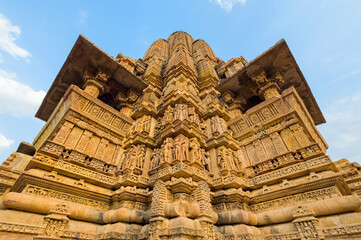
point(221, 160)
point(178, 149)
point(123, 160)
point(192, 115)
point(222, 124)
point(181, 111)
point(138, 125)
point(218, 126)
point(184, 112)
point(168, 150)
point(195, 152)
point(155, 158)
point(214, 124)
point(228, 159)
point(132, 159)
point(205, 160)
point(185, 150)
point(168, 115)
point(140, 156)
point(235, 161)
point(146, 123)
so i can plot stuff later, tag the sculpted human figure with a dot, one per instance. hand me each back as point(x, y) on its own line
point(185, 151)
point(195, 150)
point(205, 160)
point(192, 114)
point(140, 156)
point(168, 115)
point(146, 123)
point(123, 160)
point(132, 158)
point(214, 124)
point(170, 111)
point(161, 153)
point(168, 150)
point(221, 158)
point(178, 149)
point(164, 119)
point(177, 111)
point(158, 126)
point(156, 155)
point(184, 114)
point(139, 125)
point(228, 159)
point(233, 161)
point(222, 125)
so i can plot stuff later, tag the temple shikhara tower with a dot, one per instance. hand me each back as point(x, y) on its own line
point(178, 145)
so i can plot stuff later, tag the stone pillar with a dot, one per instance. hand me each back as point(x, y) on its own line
point(269, 90)
point(268, 87)
point(95, 84)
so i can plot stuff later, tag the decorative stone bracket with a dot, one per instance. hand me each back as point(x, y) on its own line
point(268, 86)
point(95, 84)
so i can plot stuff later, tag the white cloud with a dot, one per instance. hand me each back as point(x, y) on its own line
point(17, 99)
point(343, 128)
point(8, 35)
point(82, 18)
point(228, 4)
point(5, 143)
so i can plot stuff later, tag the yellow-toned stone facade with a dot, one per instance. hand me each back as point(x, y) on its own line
point(179, 145)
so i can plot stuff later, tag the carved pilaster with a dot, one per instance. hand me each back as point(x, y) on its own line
point(307, 225)
point(54, 222)
point(95, 84)
point(268, 86)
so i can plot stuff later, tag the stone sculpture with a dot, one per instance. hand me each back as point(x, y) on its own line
point(178, 145)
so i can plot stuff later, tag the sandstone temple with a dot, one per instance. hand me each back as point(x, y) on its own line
point(178, 145)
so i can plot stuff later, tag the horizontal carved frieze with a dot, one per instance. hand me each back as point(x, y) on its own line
point(43, 192)
point(291, 170)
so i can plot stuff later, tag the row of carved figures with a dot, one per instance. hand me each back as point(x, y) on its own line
point(180, 149)
point(218, 125)
point(133, 157)
point(228, 159)
point(142, 124)
point(181, 112)
point(184, 112)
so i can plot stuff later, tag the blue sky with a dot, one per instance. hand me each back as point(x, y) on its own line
point(324, 37)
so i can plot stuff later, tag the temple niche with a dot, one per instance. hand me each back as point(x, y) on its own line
point(179, 145)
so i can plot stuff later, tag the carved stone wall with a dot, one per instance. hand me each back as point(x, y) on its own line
point(179, 145)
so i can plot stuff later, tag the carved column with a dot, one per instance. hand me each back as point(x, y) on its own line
point(95, 84)
point(207, 216)
point(126, 101)
point(268, 86)
point(159, 198)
